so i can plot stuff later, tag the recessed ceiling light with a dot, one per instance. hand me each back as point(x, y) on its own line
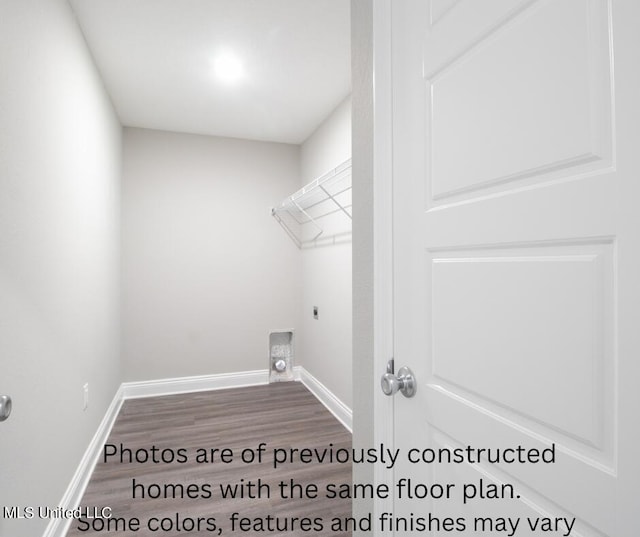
point(228, 68)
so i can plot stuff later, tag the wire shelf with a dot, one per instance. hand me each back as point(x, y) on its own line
point(320, 212)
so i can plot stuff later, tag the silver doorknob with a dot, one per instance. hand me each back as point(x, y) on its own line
point(5, 407)
point(405, 383)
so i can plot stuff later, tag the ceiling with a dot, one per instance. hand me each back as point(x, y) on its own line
point(157, 57)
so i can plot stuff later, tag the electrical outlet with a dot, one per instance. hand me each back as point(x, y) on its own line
point(85, 393)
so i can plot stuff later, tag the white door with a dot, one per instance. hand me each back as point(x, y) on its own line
point(516, 177)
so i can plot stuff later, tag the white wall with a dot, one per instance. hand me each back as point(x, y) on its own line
point(325, 344)
point(59, 229)
point(207, 271)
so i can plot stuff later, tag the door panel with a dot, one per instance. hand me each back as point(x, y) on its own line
point(547, 107)
point(508, 250)
point(475, 295)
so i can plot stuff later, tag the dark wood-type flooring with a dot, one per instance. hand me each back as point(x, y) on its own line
point(284, 415)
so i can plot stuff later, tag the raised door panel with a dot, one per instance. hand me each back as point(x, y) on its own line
point(526, 102)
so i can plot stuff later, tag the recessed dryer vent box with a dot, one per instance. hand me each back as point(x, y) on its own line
point(280, 355)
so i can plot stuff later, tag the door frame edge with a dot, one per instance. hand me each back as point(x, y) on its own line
point(383, 318)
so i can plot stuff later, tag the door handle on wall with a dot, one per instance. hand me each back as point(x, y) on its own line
point(404, 382)
point(5, 407)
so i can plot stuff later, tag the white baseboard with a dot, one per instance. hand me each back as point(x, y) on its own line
point(153, 388)
point(131, 390)
point(58, 527)
point(340, 411)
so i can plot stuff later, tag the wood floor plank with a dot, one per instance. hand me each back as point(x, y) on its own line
point(283, 415)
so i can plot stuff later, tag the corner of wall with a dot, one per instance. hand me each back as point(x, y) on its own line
point(326, 341)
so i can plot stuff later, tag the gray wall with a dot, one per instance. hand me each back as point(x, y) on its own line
point(59, 229)
point(207, 271)
point(325, 348)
